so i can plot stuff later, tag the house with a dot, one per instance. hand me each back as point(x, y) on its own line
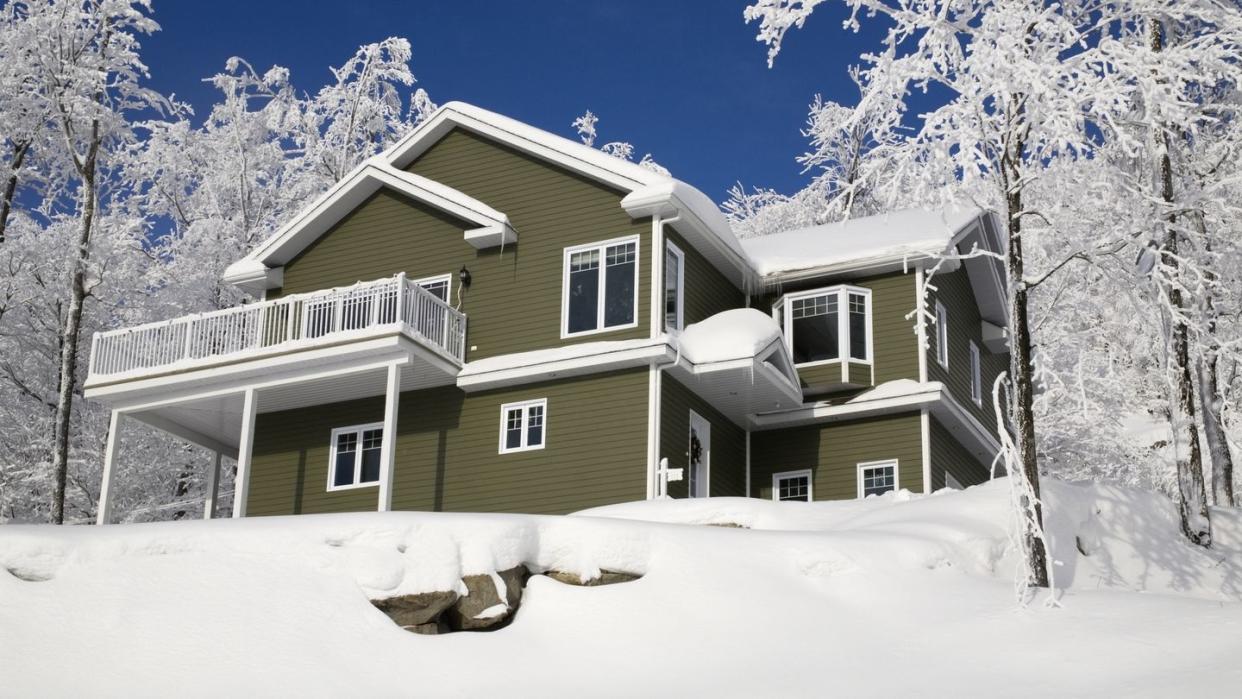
point(489, 317)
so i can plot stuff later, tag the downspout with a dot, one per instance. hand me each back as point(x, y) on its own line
point(655, 390)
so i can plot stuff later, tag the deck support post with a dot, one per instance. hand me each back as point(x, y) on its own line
point(213, 489)
point(104, 512)
point(388, 446)
point(245, 449)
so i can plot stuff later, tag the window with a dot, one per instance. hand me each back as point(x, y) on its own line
point(523, 426)
point(354, 459)
point(827, 324)
point(976, 381)
point(438, 286)
point(792, 485)
point(674, 288)
point(601, 287)
point(876, 478)
point(942, 335)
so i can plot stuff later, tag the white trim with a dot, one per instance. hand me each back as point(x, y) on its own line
point(213, 488)
point(920, 328)
point(802, 473)
point(942, 334)
point(656, 319)
point(921, 394)
point(976, 374)
point(672, 248)
point(245, 452)
point(357, 480)
point(602, 356)
point(655, 389)
point(842, 293)
point(388, 443)
point(707, 461)
point(865, 465)
point(525, 407)
point(602, 246)
point(104, 512)
point(925, 448)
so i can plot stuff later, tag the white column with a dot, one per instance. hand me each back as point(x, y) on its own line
point(388, 447)
point(213, 489)
point(105, 485)
point(245, 447)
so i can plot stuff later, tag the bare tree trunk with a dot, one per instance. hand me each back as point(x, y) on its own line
point(10, 187)
point(1195, 521)
point(71, 334)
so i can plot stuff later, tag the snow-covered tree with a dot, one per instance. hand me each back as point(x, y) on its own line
point(585, 126)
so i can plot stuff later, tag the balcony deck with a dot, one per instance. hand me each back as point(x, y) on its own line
point(280, 327)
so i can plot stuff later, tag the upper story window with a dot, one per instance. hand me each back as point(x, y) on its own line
point(942, 335)
point(825, 325)
point(355, 456)
point(674, 288)
point(439, 286)
point(522, 425)
point(976, 378)
point(601, 287)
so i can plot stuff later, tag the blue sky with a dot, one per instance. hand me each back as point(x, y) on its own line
point(685, 81)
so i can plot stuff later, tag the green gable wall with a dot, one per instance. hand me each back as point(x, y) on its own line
point(833, 451)
point(954, 291)
point(707, 291)
point(728, 447)
point(948, 455)
point(447, 451)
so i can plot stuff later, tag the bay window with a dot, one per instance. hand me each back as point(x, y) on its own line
point(600, 287)
point(826, 325)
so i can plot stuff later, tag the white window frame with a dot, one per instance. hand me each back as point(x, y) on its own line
point(877, 464)
point(681, 290)
point(976, 374)
point(778, 477)
point(525, 407)
point(359, 429)
point(427, 281)
point(942, 335)
point(951, 482)
point(602, 246)
point(782, 310)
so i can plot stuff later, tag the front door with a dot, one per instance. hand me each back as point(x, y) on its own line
point(700, 455)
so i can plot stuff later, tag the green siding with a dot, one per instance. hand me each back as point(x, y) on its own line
point(708, 292)
point(948, 454)
point(895, 344)
point(833, 452)
point(954, 291)
point(728, 441)
point(514, 301)
point(447, 451)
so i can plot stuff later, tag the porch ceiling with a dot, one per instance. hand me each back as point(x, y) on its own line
point(738, 388)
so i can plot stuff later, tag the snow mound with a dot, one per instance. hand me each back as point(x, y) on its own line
point(739, 333)
point(909, 233)
point(278, 606)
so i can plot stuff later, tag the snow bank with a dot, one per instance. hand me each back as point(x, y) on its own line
point(739, 333)
point(811, 600)
point(908, 233)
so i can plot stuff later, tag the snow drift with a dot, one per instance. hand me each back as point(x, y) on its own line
point(795, 599)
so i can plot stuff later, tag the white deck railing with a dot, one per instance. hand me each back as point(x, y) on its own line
point(287, 323)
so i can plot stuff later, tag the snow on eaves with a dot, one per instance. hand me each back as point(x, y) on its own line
point(892, 236)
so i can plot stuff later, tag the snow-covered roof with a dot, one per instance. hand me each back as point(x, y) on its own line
point(908, 234)
point(740, 333)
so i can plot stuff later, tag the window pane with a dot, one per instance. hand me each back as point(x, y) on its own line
point(372, 443)
point(346, 454)
point(534, 426)
point(878, 480)
point(619, 279)
point(438, 288)
point(815, 329)
point(672, 273)
point(583, 291)
point(794, 488)
point(858, 326)
point(513, 429)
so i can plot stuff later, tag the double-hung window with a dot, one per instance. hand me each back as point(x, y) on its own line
point(523, 426)
point(942, 335)
point(876, 478)
point(976, 379)
point(355, 456)
point(674, 288)
point(439, 286)
point(600, 287)
point(792, 485)
point(826, 325)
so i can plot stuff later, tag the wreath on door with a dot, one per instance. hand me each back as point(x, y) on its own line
point(696, 448)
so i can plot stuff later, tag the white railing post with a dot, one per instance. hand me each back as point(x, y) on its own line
point(401, 291)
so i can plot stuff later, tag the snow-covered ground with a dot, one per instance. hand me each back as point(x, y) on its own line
point(899, 595)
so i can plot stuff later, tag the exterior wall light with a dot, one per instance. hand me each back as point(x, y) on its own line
point(464, 277)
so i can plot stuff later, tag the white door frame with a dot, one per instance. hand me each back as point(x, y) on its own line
point(702, 480)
